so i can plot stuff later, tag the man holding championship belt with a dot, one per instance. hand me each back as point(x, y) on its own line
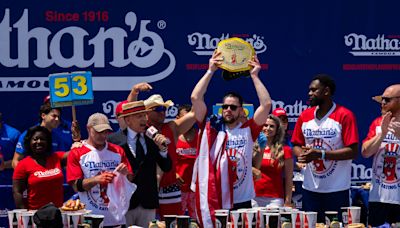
point(227, 143)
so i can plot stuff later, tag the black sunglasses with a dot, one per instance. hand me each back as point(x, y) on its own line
point(160, 109)
point(232, 107)
point(388, 99)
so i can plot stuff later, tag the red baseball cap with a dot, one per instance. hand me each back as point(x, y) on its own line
point(118, 109)
point(279, 112)
point(46, 99)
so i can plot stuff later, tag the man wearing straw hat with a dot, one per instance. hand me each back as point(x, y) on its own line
point(144, 154)
point(383, 143)
point(170, 192)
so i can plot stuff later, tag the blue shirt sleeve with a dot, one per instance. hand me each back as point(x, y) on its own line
point(19, 148)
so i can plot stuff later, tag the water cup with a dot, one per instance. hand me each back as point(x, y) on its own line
point(27, 220)
point(286, 219)
point(235, 216)
point(271, 220)
point(221, 220)
point(310, 219)
point(353, 214)
point(297, 219)
point(73, 219)
point(331, 219)
point(250, 218)
point(13, 217)
point(96, 221)
point(170, 221)
point(182, 221)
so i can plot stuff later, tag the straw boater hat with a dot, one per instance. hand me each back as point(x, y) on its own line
point(157, 100)
point(131, 108)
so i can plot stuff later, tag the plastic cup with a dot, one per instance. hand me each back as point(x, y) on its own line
point(170, 221)
point(310, 219)
point(271, 220)
point(182, 221)
point(221, 220)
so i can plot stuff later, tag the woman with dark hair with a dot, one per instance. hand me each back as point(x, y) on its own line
point(274, 161)
point(40, 172)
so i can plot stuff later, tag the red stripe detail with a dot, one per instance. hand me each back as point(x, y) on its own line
point(134, 109)
point(198, 211)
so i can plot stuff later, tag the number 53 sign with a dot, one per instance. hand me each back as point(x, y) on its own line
point(68, 89)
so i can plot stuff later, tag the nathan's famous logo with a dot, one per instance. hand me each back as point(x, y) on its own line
point(47, 173)
point(98, 194)
point(205, 44)
point(379, 46)
point(390, 158)
point(320, 166)
point(293, 111)
point(144, 52)
point(235, 152)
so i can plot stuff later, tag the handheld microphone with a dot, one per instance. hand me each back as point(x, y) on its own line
point(151, 132)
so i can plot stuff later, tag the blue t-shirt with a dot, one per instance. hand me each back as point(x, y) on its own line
point(56, 142)
point(8, 140)
point(64, 132)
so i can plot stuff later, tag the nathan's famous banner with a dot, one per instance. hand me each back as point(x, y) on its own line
point(169, 45)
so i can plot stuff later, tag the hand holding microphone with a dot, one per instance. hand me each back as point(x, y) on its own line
point(161, 141)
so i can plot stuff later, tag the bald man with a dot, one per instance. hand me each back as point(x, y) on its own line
point(383, 143)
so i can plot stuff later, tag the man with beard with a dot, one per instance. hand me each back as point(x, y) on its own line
point(326, 139)
point(232, 144)
point(383, 143)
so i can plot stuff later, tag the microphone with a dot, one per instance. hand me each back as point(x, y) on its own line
point(151, 132)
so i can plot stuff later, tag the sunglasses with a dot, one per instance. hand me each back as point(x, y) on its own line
point(159, 109)
point(232, 107)
point(381, 99)
point(388, 99)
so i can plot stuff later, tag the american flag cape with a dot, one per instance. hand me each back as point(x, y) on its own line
point(213, 173)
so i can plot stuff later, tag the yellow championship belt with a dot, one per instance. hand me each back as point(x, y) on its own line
point(235, 53)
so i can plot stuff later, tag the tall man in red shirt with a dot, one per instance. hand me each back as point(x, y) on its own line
point(383, 143)
point(326, 139)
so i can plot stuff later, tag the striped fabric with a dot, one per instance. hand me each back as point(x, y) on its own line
point(213, 174)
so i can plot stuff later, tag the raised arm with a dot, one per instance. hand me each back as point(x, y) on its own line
point(198, 105)
point(371, 146)
point(136, 89)
point(182, 125)
point(261, 113)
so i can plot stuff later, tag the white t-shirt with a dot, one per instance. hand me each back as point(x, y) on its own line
point(239, 147)
point(335, 130)
point(86, 162)
point(386, 167)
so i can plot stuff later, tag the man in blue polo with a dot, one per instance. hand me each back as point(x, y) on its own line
point(50, 119)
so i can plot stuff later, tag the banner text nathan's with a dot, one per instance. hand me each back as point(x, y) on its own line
point(379, 46)
point(49, 53)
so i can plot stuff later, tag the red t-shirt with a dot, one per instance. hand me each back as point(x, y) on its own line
point(186, 156)
point(169, 177)
point(271, 182)
point(45, 184)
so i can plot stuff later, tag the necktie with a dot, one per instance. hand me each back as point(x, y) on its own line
point(139, 150)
